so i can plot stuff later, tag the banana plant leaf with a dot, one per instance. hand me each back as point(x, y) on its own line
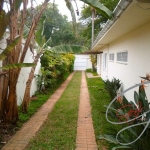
point(17, 65)
point(9, 48)
point(109, 138)
point(121, 147)
point(69, 49)
point(39, 37)
point(99, 7)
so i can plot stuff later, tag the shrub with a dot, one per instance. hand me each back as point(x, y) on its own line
point(134, 117)
point(89, 70)
point(112, 87)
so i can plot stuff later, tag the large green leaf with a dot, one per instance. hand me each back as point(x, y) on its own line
point(120, 147)
point(69, 49)
point(99, 7)
point(39, 37)
point(17, 65)
point(9, 48)
point(136, 97)
point(3, 23)
point(109, 138)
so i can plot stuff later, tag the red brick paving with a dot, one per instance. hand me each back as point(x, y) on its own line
point(85, 139)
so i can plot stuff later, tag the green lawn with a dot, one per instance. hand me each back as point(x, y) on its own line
point(59, 130)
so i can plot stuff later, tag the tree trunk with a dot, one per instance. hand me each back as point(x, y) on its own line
point(26, 98)
point(1, 89)
point(11, 110)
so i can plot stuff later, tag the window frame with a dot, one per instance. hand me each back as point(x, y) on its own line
point(110, 56)
point(122, 59)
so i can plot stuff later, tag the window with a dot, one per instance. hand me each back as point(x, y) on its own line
point(122, 57)
point(111, 57)
point(105, 61)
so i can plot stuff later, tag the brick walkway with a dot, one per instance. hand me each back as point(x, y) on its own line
point(85, 139)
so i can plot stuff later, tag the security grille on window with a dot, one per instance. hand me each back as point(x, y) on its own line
point(122, 57)
point(111, 57)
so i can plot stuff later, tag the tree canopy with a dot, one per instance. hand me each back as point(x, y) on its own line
point(99, 20)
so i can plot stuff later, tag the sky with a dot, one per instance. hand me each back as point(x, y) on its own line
point(63, 8)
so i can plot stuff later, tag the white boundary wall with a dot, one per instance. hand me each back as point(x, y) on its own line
point(24, 75)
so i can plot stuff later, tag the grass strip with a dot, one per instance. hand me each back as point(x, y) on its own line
point(98, 98)
point(59, 130)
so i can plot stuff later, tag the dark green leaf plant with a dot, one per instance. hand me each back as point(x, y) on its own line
point(135, 132)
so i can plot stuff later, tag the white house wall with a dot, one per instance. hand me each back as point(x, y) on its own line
point(137, 43)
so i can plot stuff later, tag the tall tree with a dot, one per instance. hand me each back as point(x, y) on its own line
point(57, 27)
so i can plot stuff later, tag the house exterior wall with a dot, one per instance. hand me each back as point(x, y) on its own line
point(82, 62)
point(99, 63)
point(137, 44)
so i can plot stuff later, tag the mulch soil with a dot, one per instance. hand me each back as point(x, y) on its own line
point(6, 132)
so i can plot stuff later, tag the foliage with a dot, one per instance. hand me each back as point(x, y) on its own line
point(136, 116)
point(99, 20)
point(69, 49)
point(99, 7)
point(9, 48)
point(112, 87)
point(54, 68)
point(57, 27)
point(91, 71)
